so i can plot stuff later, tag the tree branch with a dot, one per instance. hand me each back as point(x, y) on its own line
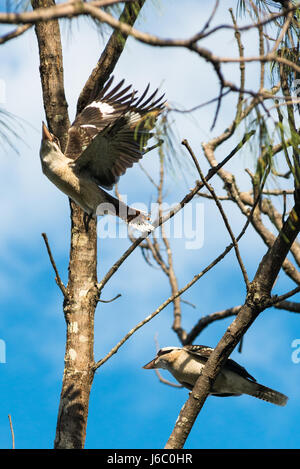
point(109, 56)
point(57, 278)
point(15, 33)
point(256, 301)
point(226, 222)
point(11, 431)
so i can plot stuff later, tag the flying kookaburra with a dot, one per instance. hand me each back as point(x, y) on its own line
point(106, 138)
point(186, 365)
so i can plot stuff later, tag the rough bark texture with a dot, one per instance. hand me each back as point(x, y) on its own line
point(79, 308)
point(52, 74)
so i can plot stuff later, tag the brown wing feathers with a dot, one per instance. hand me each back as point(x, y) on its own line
point(96, 116)
point(109, 135)
point(204, 352)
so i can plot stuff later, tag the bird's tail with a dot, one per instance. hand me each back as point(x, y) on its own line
point(139, 221)
point(134, 217)
point(267, 394)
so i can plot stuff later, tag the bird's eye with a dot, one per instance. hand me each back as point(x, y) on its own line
point(55, 139)
point(163, 352)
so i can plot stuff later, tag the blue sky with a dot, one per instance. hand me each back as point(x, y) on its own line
point(129, 408)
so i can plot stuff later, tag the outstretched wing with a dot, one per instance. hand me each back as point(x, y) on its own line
point(203, 353)
point(98, 114)
point(110, 134)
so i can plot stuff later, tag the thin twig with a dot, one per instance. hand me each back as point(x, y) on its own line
point(198, 106)
point(15, 33)
point(277, 299)
point(166, 381)
point(237, 35)
point(57, 278)
point(208, 196)
point(208, 319)
point(147, 174)
point(110, 301)
point(245, 139)
point(153, 247)
point(219, 205)
point(219, 315)
point(261, 46)
point(12, 431)
point(188, 303)
point(206, 25)
point(170, 272)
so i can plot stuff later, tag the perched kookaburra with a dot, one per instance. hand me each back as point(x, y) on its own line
point(186, 365)
point(106, 138)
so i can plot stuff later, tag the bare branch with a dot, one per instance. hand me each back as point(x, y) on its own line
point(289, 306)
point(276, 301)
point(57, 278)
point(210, 318)
point(166, 381)
point(257, 300)
point(15, 33)
point(12, 431)
point(170, 270)
point(110, 301)
point(71, 9)
point(281, 298)
point(237, 35)
point(226, 222)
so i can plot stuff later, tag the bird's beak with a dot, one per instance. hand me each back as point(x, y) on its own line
point(150, 365)
point(46, 134)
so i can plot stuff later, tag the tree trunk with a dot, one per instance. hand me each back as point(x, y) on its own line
point(81, 294)
point(79, 309)
point(52, 74)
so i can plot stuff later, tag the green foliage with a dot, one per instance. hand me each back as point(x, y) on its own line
point(262, 5)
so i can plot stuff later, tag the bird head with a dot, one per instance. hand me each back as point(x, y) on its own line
point(164, 358)
point(49, 144)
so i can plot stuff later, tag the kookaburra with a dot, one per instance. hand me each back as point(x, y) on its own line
point(106, 138)
point(186, 365)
